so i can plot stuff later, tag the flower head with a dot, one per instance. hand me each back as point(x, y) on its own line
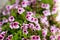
point(14, 25)
point(44, 32)
point(46, 12)
point(20, 10)
point(34, 37)
point(11, 19)
point(46, 6)
point(9, 37)
point(5, 20)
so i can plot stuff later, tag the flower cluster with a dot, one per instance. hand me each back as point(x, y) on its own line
point(29, 20)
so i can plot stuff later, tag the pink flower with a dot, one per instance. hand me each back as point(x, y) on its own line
point(32, 19)
point(34, 37)
point(46, 6)
point(35, 21)
point(14, 25)
point(9, 37)
point(55, 1)
point(25, 26)
point(54, 10)
point(46, 12)
point(44, 32)
point(44, 20)
point(11, 19)
point(58, 37)
point(52, 37)
point(20, 10)
point(43, 5)
point(25, 31)
point(53, 29)
point(30, 13)
point(24, 4)
point(17, 6)
point(31, 26)
point(2, 35)
point(37, 27)
point(5, 13)
point(28, 17)
point(58, 30)
point(5, 20)
point(9, 7)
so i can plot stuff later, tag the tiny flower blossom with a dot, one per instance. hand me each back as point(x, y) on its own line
point(53, 30)
point(54, 10)
point(14, 25)
point(9, 37)
point(35, 20)
point(11, 19)
point(28, 17)
point(2, 35)
point(46, 6)
point(24, 4)
point(5, 13)
point(37, 27)
point(44, 32)
point(34, 37)
point(58, 37)
point(43, 5)
point(5, 20)
point(20, 10)
point(52, 37)
point(9, 7)
point(31, 26)
point(44, 20)
point(30, 13)
point(46, 12)
point(58, 30)
point(25, 31)
point(25, 26)
point(17, 6)
point(55, 1)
